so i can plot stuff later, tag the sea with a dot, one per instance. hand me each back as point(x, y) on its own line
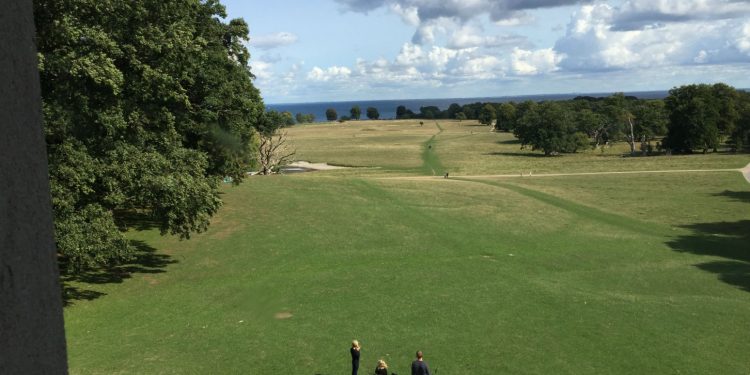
point(387, 108)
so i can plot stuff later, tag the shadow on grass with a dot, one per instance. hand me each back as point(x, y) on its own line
point(145, 260)
point(727, 240)
point(514, 141)
point(741, 196)
point(521, 154)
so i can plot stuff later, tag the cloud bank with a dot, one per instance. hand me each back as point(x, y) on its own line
point(473, 43)
point(270, 41)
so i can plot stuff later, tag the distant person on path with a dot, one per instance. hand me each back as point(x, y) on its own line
point(382, 368)
point(355, 356)
point(419, 366)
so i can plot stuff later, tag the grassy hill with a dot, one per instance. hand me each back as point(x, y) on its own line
point(583, 274)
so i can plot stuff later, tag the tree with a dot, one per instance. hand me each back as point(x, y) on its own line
point(727, 100)
point(147, 106)
point(506, 117)
point(460, 116)
point(487, 115)
point(453, 111)
point(356, 112)
point(594, 125)
point(741, 135)
point(273, 152)
point(372, 113)
point(430, 112)
point(401, 112)
point(693, 118)
point(549, 127)
point(305, 118)
point(621, 119)
point(331, 114)
point(649, 121)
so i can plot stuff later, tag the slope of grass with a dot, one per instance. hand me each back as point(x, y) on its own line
point(584, 274)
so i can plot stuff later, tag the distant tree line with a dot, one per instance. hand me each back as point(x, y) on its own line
point(692, 118)
point(355, 112)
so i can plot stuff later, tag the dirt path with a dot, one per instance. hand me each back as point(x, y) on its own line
point(314, 166)
point(745, 171)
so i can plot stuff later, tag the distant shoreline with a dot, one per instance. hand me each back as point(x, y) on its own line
point(387, 108)
point(655, 94)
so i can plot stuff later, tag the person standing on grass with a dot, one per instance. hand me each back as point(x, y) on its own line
point(382, 368)
point(419, 366)
point(355, 356)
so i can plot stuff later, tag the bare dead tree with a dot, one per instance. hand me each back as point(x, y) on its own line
point(274, 152)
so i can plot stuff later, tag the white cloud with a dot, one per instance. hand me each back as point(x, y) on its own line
point(261, 69)
point(469, 36)
point(335, 73)
point(409, 14)
point(540, 61)
point(743, 40)
point(269, 41)
point(640, 14)
point(592, 43)
point(482, 67)
point(463, 10)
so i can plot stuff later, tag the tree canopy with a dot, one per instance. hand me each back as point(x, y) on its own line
point(550, 128)
point(148, 104)
point(487, 115)
point(356, 112)
point(372, 113)
point(693, 119)
point(331, 114)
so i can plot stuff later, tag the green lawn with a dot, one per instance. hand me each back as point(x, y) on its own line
point(574, 274)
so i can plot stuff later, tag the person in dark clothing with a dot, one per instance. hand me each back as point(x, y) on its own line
point(419, 366)
point(355, 356)
point(382, 368)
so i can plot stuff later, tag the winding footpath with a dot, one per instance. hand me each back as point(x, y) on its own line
point(745, 172)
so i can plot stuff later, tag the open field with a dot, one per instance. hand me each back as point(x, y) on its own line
point(587, 274)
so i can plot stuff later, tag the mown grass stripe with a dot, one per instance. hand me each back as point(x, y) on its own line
point(587, 212)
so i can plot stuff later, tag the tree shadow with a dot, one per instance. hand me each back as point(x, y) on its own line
point(521, 154)
point(728, 240)
point(145, 260)
point(510, 142)
point(741, 196)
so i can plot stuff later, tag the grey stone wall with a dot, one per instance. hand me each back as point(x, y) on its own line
point(32, 337)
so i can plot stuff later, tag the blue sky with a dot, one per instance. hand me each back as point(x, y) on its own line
point(337, 50)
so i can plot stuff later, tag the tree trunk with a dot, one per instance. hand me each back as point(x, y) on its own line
point(632, 136)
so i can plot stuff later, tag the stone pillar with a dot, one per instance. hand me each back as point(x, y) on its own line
point(32, 336)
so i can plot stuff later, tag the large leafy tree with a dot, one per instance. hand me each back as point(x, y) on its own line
point(372, 113)
point(331, 114)
point(649, 121)
point(487, 115)
point(694, 116)
point(741, 134)
point(549, 127)
point(147, 105)
point(506, 117)
point(356, 112)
